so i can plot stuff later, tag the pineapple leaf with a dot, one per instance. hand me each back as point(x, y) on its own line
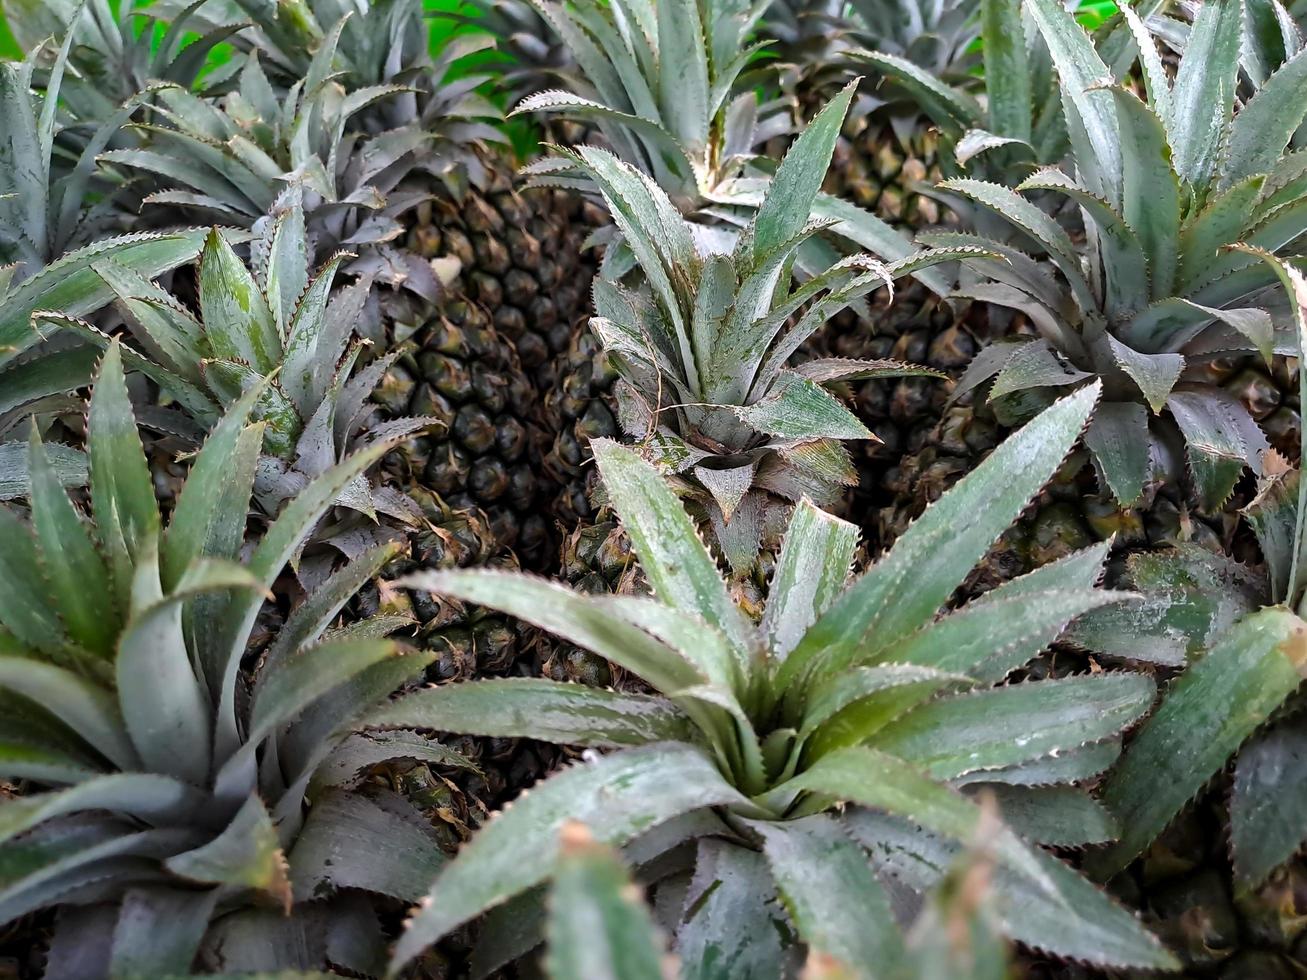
point(1268, 802)
point(832, 895)
point(1126, 282)
point(989, 639)
point(308, 364)
point(528, 707)
point(700, 644)
point(54, 372)
point(286, 274)
point(72, 286)
point(20, 759)
point(1091, 116)
point(1075, 766)
point(1034, 222)
point(159, 930)
point(952, 109)
point(310, 740)
point(580, 619)
point(869, 232)
point(1154, 374)
point(1221, 438)
point(597, 927)
point(1053, 816)
point(174, 386)
point(683, 86)
point(1119, 439)
point(680, 569)
point(351, 841)
point(85, 707)
point(1006, 726)
point(145, 795)
point(282, 539)
point(311, 617)
point(1206, 715)
point(731, 919)
point(1157, 84)
point(1150, 193)
point(68, 560)
point(296, 682)
point(246, 854)
point(825, 370)
point(802, 410)
point(811, 571)
point(122, 493)
point(787, 207)
point(156, 320)
point(1296, 288)
point(874, 779)
point(235, 312)
point(618, 796)
point(1202, 101)
point(852, 706)
point(212, 491)
point(1273, 517)
point(359, 751)
point(1007, 69)
point(165, 708)
point(1221, 222)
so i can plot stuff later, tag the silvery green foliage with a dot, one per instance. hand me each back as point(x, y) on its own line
point(779, 765)
point(175, 787)
point(1166, 187)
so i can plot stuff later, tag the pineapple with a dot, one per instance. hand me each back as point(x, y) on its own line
point(1213, 849)
point(916, 324)
point(702, 347)
point(1155, 293)
point(317, 410)
point(172, 786)
point(483, 289)
point(515, 253)
point(699, 154)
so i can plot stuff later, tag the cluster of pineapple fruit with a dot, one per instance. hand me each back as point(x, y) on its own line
point(834, 511)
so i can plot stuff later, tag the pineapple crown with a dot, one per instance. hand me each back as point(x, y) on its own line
point(1177, 193)
point(712, 335)
point(366, 44)
point(1012, 130)
point(271, 327)
point(659, 82)
point(933, 34)
point(771, 743)
point(1241, 634)
point(53, 218)
point(237, 159)
point(115, 55)
point(128, 635)
point(528, 55)
point(45, 205)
